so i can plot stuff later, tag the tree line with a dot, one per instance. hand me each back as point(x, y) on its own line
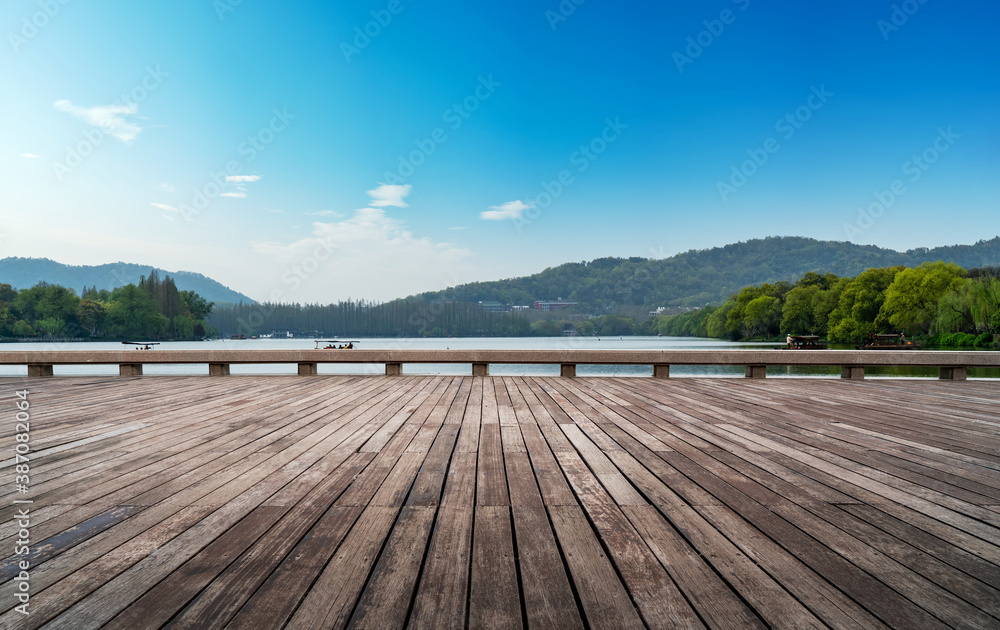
point(941, 302)
point(153, 309)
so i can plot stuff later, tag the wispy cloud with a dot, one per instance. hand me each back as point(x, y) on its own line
point(509, 210)
point(383, 255)
point(165, 187)
point(242, 178)
point(30, 155)
point(163, 206)
point(111, 119)
point(239, 194)
point(389, 195)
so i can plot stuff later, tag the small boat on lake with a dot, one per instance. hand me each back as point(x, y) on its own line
point(804, 342)
point(891, 341)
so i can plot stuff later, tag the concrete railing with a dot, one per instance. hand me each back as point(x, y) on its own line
point(952, 365)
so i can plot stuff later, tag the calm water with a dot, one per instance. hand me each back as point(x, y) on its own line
point(507, 343)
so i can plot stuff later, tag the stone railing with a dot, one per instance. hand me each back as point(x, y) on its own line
point(952, 365)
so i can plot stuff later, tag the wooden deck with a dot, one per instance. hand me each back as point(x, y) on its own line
point(503, 502)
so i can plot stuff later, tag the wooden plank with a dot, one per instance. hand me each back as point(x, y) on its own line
point(385, 601)
point(494, 595)
point(606, 602)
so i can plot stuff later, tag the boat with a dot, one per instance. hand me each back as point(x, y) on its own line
point(335, 344)
point(891, 341)
point(804, 342)
point(238, 337)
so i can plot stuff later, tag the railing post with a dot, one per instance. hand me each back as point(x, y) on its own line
point(218, 369)
point(130, 369)
point(661, 371)
point(39, 370)
point(480, 369)
point(393, 369)
point(853, 372)
point(568, 370)
point(307, 369)
point(756, 371)
point(953, 373)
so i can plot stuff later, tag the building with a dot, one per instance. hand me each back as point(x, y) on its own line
point(548, 305)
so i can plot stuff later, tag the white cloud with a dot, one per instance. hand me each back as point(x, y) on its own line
point(389, 195)
point(165, 187)
point(367, 255)
point(236, 195)
point(109, 118)
point(30, 155)
point(163, 206)
point(509, 210)
point(168, 218)
point(242, 178)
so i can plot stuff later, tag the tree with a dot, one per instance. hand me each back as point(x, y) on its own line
point(857, 312)
point(132, 313)
point(798, 316)
point(91, 316)
point(911, 301)
point(762, 316)
point(7, 294)
point(199, 307)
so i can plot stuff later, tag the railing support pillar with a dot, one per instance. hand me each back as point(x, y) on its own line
point(661, 371)
point(480, 369)
point(756, 371)
point(853, 372)
point(307, 369)
point(568, 370)
point(39, 370)
point(393, 369)
point(953, 373)
point(130, 369)
point(218, 369)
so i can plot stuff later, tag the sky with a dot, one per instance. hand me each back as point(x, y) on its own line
point(313, 151)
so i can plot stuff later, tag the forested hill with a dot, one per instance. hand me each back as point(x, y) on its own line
point(698, 277)
point(24, 273)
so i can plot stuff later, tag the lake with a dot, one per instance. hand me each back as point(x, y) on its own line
point(518, 343)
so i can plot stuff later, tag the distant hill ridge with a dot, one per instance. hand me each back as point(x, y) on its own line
point(23, 273)
point(702, 276)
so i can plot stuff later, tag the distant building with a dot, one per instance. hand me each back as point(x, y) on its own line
point(495, 307)
point(549, 305)
point(520, 308)
point(673, 310)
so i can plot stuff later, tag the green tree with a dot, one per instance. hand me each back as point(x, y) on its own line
point(911, 301)
point(857, 312)
point(199, 307)
point(132, 313)
point(22, 328)
point(762, 316)
point(7, 294)
point(798, 316)
point(91, 314)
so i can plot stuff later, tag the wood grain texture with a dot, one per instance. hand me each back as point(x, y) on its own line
point(454, 502)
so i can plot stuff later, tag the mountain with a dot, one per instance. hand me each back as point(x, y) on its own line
point(22, 273)
point(702, 276)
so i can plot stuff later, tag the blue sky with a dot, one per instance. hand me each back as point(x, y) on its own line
point(312, 152)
